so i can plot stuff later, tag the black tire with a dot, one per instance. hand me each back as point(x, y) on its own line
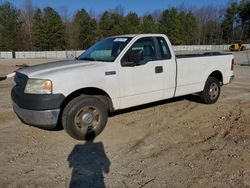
point(211, 92)
point(84, 117)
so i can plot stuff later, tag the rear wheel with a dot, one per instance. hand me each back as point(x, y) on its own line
point(84, 117)
point(211, 92)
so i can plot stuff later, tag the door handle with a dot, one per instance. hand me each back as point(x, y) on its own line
point(158, 69)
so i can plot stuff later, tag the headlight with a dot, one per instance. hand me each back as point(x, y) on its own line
point(35, 86)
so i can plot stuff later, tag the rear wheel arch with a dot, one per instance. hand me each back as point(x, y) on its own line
point(218, 75)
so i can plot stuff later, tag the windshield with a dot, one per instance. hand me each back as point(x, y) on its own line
point(105, 50)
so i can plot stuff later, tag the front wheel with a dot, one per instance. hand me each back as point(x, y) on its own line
point(84, 117)
point(211, 91)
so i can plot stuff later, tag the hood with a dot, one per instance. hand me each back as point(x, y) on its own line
point(57, 66)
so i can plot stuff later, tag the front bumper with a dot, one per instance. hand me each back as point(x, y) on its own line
point(45, 119)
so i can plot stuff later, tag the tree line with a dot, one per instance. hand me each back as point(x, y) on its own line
point(33, 28)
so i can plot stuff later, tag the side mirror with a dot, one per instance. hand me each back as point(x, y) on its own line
point(132, 58)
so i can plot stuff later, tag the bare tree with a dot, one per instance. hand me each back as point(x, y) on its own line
point(156, 15)
point(209, 20)
point(67, 25)
point(27, 13)
point(119, 10)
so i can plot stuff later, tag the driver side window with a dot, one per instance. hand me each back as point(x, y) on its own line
point(146, 47)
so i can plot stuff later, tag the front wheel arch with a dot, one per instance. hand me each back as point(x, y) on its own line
point(90, 91)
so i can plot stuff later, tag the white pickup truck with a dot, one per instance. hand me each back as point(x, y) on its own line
point(116, 73)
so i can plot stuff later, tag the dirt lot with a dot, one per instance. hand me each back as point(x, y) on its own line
point(175, 143)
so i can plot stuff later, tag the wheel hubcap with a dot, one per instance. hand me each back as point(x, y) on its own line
point(87, 119)
point(213, 91)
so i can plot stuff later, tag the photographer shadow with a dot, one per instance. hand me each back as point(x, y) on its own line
point(89, 162)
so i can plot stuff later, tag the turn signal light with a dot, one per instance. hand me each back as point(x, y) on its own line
point(48, 86)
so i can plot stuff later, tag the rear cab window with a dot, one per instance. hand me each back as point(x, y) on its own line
point(164, 48)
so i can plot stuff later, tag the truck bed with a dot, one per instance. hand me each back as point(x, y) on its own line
point(194, 69)
point(206, 54)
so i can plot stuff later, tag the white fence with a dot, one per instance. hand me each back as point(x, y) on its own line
point(73, 54)
point(6, 55)
point(205, 47)
point(41, 54)
point(201, 47)
point(48, 54)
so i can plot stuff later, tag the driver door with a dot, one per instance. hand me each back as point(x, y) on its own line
point(144, 82)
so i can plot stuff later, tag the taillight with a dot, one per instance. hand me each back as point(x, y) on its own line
point(232, 65)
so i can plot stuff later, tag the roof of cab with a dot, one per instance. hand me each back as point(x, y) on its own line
point(138, 35)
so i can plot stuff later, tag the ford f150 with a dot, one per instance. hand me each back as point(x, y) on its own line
point(116, 73)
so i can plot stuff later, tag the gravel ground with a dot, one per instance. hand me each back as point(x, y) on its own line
point(174, 143)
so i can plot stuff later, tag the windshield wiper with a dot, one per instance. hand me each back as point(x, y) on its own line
point(93, 59)
point(87, 58)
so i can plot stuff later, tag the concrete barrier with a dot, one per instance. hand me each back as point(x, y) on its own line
point(48, 54)
point(202, 47)
point(72, 54)
point(6, 55)
point(242, 58)
point(193, 48)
